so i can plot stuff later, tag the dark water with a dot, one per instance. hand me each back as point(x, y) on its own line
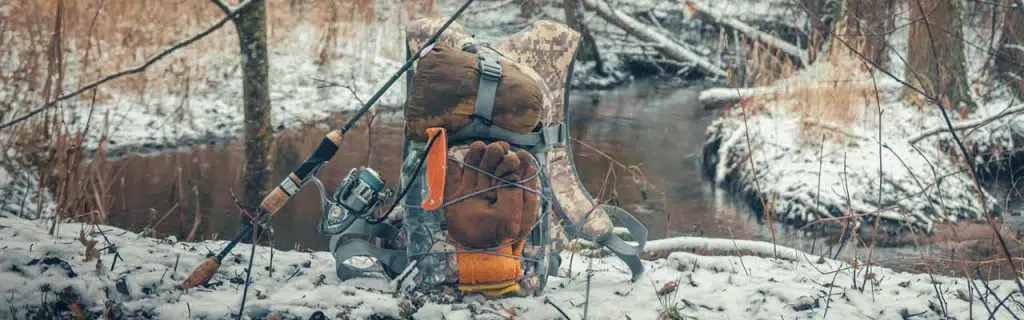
point(653, 130)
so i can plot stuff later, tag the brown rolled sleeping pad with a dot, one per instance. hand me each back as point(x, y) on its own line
point(444, 88)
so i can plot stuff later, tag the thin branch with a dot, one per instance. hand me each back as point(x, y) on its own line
point(966, 125)
point(970, 160)
point(491, 7)
point(548, 301)
point(132, 70)
point(223, 7)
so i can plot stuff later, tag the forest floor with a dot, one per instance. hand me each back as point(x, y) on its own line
point(92, 270)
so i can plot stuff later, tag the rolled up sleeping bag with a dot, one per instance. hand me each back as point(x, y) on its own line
point(443, 94)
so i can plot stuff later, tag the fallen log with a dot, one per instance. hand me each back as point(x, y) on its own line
point(646, 33)
point(731, 95)
point(661, 248)
point(702, 11)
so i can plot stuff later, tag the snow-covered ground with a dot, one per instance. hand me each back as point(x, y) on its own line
point(20, 196)
point(815, 178)
point(212, 110)
point(40, 270)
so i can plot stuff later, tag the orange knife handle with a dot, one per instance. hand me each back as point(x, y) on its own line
point(437, 165)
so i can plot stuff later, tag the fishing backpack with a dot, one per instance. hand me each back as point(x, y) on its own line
point(414, 240)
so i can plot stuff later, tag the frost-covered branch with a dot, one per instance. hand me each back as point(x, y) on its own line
point(703, 11)
point(135, 69)
point(965, 125)
point(647, 34)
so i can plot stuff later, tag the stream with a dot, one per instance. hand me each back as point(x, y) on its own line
point(657, 128)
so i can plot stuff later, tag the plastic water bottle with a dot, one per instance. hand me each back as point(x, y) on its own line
point(426, 229)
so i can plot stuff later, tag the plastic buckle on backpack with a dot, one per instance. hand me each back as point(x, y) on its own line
point(552, 135)
point(490, 68)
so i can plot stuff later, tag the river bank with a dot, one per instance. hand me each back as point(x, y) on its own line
point(869, 161)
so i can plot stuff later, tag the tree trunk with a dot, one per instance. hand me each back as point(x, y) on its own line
point(936, 62)
point(1009, 61)
point(868, 23)
point(588, 49)
point(252, 39)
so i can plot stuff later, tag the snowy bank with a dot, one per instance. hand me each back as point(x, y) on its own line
point(39, 271)
point(21, 196)
point(817, 145)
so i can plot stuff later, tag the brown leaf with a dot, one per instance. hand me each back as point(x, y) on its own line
point(90, 247)
point(76, 310)
point(691, 8)
point(668, 288)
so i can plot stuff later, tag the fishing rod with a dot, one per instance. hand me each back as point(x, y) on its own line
point(326, 150)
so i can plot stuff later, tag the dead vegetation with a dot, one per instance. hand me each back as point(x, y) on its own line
point(51, 47)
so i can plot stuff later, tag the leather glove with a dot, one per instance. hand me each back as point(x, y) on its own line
point(497, 217)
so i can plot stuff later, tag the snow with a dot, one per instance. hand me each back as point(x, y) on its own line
point(174, 111)
point(35, 266)
point(171, 113)
point(143, 283)
point(808, 177)
point(20, 196)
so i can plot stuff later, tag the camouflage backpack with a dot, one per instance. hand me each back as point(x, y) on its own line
point(415, 240)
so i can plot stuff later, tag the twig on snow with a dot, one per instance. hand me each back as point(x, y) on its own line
point(989, 291)
point(547, 300)
point(590, 274)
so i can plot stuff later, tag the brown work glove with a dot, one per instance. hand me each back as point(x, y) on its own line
point(499, 216)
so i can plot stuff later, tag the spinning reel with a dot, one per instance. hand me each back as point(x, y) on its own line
point(358, 196)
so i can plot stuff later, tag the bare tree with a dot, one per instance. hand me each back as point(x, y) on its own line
point(936, 63)
point(251, 27)
point(588, 50)
point(868, 23)
point(1009, 60)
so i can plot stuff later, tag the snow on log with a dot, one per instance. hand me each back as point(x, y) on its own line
point(729, 95)
point(719, 95)
point(701, 10)
point(648, 34)
point(660, 248)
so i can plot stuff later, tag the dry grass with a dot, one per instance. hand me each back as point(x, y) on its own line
point(42, 57)
point(833, 95)
point(102, 37)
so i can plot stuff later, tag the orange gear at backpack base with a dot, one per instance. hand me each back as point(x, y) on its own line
point(489, 227)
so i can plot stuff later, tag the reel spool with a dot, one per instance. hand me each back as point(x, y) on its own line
point(358, 196)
